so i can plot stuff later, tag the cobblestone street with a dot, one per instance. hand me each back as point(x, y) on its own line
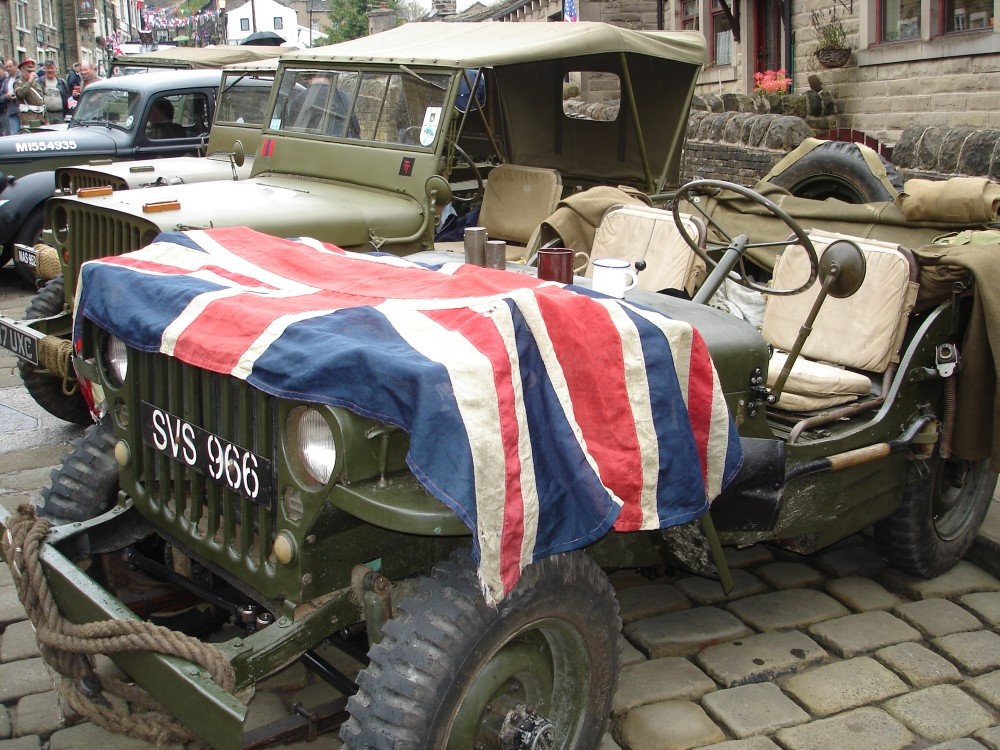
point(830, 651)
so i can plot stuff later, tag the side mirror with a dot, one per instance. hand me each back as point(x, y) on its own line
point(239, 153)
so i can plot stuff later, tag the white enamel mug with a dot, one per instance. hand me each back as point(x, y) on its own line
point(613, 277)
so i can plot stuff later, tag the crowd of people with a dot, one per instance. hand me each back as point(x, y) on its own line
point(29, 98)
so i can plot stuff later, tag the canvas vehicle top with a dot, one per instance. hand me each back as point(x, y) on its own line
point(181, 58)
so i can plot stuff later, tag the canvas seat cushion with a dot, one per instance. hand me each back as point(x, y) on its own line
point(815, 385)
point(641, 233)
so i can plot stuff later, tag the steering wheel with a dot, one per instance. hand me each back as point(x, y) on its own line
point(692, 192)
point(410, 135)
point(470, 195)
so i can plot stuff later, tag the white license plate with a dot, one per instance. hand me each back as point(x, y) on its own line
point(26, 255)
point(19, 342)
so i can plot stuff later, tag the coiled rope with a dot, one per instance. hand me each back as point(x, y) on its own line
point(69, 648)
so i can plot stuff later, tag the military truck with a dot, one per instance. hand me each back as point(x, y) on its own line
point(312, 439)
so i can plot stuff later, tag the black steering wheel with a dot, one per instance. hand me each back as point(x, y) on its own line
point(471, 195)
point(692, 193)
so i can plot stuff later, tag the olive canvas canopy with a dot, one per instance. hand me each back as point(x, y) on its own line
point(474, 45)
point(528, 63)
point(197, 57)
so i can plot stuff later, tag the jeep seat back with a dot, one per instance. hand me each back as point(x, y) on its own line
point(517, 200)
point(851, 337)
point(649, 235)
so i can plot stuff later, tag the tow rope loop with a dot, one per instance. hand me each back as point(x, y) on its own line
point(69, 648)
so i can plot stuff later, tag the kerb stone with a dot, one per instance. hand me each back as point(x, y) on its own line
point(789, 575)
point(91, 735)
point(942, 712)
point(987, 688)
point(986, 606)
point(753, 709)
point(10, 606)
point(684, 632)
point(862, 594)
point(38, 714)
point(672, 678)
point(974, 653)
point(990, 737)
point(918, 665)
point(964, 578)
point(844, 685)
point(25, 677)
point(753, 743)
point(863, 633)
point(674, 725)
point(937, 617)
point(22, 743)
point(645, 601)
point(706, 591)
point(760, 658)
point(784, 610)
point(870, 728)
point(18, 642)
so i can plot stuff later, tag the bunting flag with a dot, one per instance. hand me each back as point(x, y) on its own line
point(542, 415)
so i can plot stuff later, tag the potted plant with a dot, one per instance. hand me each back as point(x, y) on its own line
point(832, 47)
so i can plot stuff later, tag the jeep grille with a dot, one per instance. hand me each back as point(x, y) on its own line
point(208, 518)
point(72, 180)
point(88, 233)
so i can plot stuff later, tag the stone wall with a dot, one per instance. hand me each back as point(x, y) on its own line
point(738, 146)
point(938, 153)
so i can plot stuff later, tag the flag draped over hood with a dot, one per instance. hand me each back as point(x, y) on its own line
point(542, 415)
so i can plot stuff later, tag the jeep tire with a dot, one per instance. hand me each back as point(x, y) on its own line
point(86, 484)
point(452, 670)
point(944, 504)
point(836, 169)
point(45, 388)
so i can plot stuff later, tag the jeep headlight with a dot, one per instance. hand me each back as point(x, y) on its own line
point(116, 360)
point(314, 443)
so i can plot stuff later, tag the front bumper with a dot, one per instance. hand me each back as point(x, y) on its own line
point(183, 688)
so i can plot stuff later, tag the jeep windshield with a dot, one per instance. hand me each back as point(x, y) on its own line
point(111, 107)
point(243, 98)
point(397, 106)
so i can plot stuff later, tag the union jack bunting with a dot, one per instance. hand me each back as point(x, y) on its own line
point(542, 415)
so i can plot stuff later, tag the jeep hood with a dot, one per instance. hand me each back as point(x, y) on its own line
point(77, 142)
point(338, 214)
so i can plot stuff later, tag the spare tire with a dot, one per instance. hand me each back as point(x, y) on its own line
point(837, 169)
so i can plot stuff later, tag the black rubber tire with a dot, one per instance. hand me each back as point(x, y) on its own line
point(86, 484)
point(6, 253)
point(449, 659)
point(944, 504)
point(836, 169)
point(30, 234)
point(46, 389)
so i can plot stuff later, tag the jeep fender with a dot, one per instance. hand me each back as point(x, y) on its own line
point(20, 198)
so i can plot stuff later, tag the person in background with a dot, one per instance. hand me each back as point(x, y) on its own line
point(30, 99)
point(88, 75)
point(73, 76)
point(56, 93)
point(10, 116)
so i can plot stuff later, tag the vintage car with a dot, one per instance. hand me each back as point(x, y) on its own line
point(112, 121)
point(311, 439)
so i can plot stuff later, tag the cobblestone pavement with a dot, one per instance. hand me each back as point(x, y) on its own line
point(829, 651)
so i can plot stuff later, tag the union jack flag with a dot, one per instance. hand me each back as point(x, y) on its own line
point(570, 12)
point(542, 415)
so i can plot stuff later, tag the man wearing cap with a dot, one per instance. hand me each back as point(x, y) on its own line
point(56, 93)
point(30, 99)
point(10, 115)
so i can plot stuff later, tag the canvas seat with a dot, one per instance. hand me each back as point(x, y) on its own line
point(516, 201)
point(641, 233)
point(853, 339)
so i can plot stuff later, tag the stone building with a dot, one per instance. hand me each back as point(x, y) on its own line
point(66, 30)
point(934, 62)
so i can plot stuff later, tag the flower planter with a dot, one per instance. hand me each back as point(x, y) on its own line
point(833, 58)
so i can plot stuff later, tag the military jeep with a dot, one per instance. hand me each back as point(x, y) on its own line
point(310, 439)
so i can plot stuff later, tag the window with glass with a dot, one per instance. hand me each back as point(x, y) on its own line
point(278, 23)
point(21, 14)
point(967, 15)
point(689, 15)
point(107, 107)
point(722, 36)
point(243, 99)
point(900, 20)
point(244, 24)
point(403, 107)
